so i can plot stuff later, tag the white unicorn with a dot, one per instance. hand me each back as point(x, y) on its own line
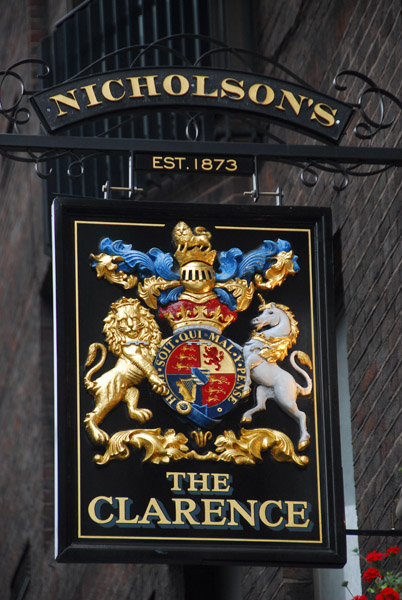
point(275, 332)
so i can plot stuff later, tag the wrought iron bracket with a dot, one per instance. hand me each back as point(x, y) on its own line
point(11, 145)
point(376, 110)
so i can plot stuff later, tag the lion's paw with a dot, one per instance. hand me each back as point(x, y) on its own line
point(140, 414)
point(98, 436)
point(160, 388)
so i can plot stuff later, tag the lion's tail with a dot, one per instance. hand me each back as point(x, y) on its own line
point(93, 349)
point(304, 359)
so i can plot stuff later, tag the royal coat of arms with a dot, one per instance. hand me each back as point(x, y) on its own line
point(197, 370)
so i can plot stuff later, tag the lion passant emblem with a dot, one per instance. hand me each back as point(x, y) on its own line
point(197, 372)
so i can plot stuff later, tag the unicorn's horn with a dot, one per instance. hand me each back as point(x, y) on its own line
point(263, 304)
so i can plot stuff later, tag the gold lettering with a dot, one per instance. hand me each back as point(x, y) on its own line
point(236, 506)
point(320, 113)
point(214, 337)
point(180, 160)
point(196, 479)
point(90, 92)
point(169, 162)
point(92, 509)
point(156, 165)
point(168, 85)
point(292, 513)
point(123, 510)
point(71, 102)
point(154, 510)
point(107, 92)
point(263, 513)
point(177, 479)
point(253, 93)
point(184, 512)
point(232, 88)
point(149, 84)
point(200, 89)
point(209, 510)
point(170, 399)
point(292, 101)
point(220, 482)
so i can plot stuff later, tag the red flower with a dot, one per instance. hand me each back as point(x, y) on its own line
point(388, 594)
point(371, 574)
point(392, 550)
point(362, 597)
point(374, 556)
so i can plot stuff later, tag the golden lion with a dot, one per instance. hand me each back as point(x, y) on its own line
point(133, 335)
point(185, 239)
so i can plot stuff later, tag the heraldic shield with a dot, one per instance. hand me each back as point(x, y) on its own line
point(205, 374)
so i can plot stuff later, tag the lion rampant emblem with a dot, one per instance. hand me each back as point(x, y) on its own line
point(134, 337)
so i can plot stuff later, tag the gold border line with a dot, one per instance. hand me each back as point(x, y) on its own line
point(78, 374)
point(185, 539)
point(260, 228)
point(314, 383)
point(189, 539)
point(122, 223)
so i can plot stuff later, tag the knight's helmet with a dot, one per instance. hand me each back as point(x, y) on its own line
point(195, 258)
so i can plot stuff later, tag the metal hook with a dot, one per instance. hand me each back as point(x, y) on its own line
point(255, 192)
point(131, 189)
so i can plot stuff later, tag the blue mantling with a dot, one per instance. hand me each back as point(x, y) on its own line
point(233, 264)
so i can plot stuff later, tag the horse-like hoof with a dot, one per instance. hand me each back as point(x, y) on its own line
point(245, 393)
point(303, 445)
point(245, 419)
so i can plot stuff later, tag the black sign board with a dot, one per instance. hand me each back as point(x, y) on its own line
point(196, 400)
point(195, 163)
point(192, 88)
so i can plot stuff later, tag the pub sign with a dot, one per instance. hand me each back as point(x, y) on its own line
point(196, 400)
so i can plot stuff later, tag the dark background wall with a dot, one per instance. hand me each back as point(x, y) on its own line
point(315, 39)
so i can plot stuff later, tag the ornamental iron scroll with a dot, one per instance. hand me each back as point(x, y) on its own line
point(370, 125)
point(12, 85)
point(373, 106)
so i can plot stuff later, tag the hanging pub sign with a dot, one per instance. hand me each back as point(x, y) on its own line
point(183, 88)
point(196, 385)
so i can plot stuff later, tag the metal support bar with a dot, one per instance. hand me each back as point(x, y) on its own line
point(275, 152)
point(255, 192)
point(132, 189)
point(375, 532)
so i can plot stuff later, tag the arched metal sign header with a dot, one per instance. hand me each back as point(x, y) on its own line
point(177, 88)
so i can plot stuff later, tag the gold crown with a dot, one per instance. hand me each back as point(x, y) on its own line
point(188, 314)
point(192, 245)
